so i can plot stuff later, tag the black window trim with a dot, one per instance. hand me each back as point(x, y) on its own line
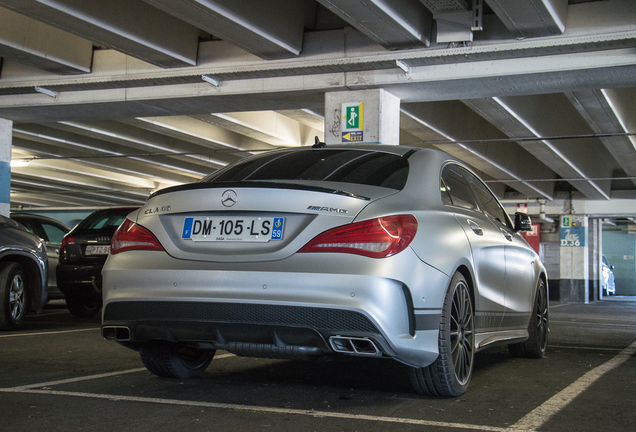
point(508, 224)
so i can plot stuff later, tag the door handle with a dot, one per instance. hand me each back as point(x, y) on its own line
point(476, 228)
point(506, 234)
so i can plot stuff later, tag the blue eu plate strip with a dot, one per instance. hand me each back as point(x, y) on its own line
point(187, 228)
point(277, 231)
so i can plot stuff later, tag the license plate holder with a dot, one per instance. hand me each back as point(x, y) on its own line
point(233, 229)
point(97, 250)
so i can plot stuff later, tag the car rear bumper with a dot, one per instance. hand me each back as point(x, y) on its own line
point(84, 280)
point(272, 311)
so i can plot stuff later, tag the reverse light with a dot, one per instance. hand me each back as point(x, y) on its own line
point(131, 236)
point(374, 238)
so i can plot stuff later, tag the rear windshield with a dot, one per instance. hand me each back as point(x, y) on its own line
point(346, 166)
point(105, 219)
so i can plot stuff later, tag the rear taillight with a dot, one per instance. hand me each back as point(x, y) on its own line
point(130, 236)
point(375, 238)
point(66, 241)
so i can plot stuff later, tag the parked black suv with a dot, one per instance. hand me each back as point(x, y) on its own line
point(82, 255)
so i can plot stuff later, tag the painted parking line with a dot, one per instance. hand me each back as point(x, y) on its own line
point(556, 403)
point(262, 409)
point(584, 348)
point(43, 388)
point(88, 377)
point(595, 324)
point(48, 333)
point(531, 422)
point(71, 380)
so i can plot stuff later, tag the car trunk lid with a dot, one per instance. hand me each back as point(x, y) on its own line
point(235, 222)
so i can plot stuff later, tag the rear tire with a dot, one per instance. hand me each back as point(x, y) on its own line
point(172, 360)
point(450, 374)
point(83, 307)
point(13, 296)
point(538, 330)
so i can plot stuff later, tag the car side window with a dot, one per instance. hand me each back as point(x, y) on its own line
point(34, 228)
point(53, 233)
point(488, 202)
point(454, 178)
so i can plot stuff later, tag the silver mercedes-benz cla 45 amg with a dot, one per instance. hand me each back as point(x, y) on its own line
point(384, 251)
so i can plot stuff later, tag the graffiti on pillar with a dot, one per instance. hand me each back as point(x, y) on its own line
point(335, 129)
point(573, 232)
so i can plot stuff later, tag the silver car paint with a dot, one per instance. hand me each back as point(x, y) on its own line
point(15, 240)
point(276, 274)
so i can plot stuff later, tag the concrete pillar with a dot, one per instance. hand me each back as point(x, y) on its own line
point(594, 240)
point(574, 256)
point(6, 127)
point(362, 117)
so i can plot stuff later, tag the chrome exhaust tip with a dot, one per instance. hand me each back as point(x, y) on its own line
point(117, 333)
point(354, 345)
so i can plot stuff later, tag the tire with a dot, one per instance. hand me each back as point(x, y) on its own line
point(538, 329)
point(13, 296)
point(83, 307)
point(172, 360)
point(450, 374)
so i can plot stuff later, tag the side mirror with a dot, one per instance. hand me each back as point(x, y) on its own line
point(522, 222)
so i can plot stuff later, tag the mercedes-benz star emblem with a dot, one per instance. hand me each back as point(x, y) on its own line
point(229, 198)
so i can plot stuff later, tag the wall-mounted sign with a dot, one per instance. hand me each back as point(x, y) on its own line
point(352, 122)
point(573, 233)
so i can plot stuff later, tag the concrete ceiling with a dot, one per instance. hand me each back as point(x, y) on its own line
point(112, 100)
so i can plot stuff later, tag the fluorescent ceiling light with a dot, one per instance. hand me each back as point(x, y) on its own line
point(18, 163)
point(210, 80)
point(47, 92)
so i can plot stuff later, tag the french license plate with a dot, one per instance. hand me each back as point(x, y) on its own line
point(98, 250)
point(233, 229)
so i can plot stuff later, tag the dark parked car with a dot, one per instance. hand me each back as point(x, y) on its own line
point(371, 251)
point(51, 231)
point(82, 255)
point(23, 270)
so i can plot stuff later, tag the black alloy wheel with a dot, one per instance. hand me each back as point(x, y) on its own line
point(538, 328)
point(450, 374)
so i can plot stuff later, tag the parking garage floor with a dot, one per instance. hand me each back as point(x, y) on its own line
point(58, 374)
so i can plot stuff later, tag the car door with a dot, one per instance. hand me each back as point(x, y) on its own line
point(488, 247)
point(54, 235)
point(520, 259)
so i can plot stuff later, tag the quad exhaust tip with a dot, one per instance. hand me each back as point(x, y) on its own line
point(354, 345)
point(116, 333)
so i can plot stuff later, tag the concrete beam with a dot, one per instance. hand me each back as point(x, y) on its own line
point(395, 24)
point(42, 46)
point(227, 146)
point(132, 27)
point(45, 148)
point(611, 111)
point(549, 74)
point(266, 126)
point(531, 18)
point(454, 122)
point(180, 156)
point(551, 116)
point(271, 30)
